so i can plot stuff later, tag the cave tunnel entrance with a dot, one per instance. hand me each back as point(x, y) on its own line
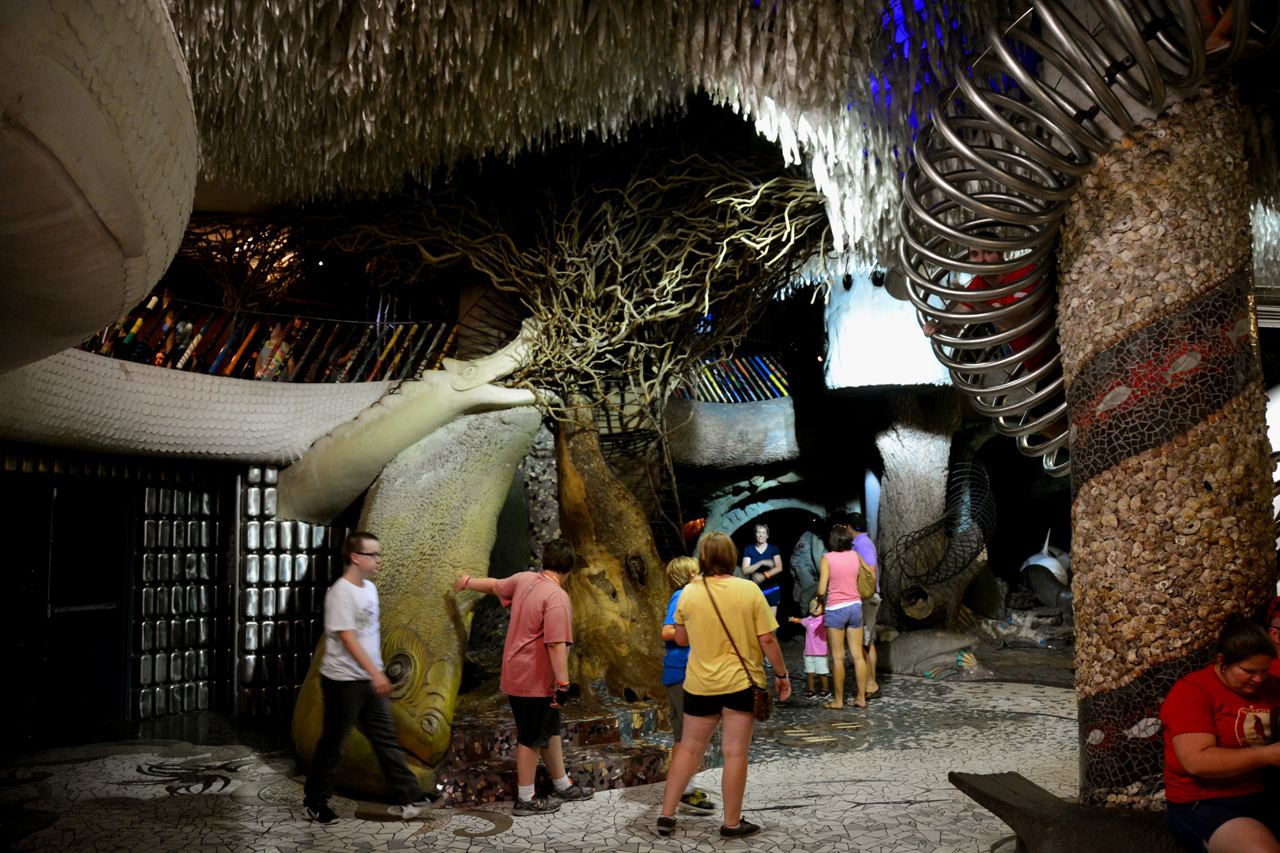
point(785, 528)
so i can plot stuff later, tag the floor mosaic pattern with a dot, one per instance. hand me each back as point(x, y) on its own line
point(873, 781)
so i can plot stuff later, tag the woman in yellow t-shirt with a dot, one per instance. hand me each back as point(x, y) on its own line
point(716, 686)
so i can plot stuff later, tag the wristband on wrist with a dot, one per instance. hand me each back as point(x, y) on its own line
point(781, 675)
point(466, 583)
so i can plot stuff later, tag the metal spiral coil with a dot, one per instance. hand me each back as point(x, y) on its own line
point(994, 168)
point(943, 550)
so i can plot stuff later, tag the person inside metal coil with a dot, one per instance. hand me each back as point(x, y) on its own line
point(1023, 341)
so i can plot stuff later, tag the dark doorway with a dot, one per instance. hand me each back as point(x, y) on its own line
point(71, 549)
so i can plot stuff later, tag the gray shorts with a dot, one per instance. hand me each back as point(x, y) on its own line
point(870, 608)
point(817, 665)
point(675, 698)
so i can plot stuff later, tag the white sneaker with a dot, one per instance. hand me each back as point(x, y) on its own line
point(411, 810)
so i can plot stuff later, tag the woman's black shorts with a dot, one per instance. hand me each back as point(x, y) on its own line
point(710, 706)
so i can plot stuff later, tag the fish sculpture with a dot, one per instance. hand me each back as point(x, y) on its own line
point(444, 458)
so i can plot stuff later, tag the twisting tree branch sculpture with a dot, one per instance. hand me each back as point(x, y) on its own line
point(633, 275)
point(253, 260)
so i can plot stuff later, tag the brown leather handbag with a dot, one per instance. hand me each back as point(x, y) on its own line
point(866, 579)
point(761, 699)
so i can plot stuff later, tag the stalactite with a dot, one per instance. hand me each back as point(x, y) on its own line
point(355, 96)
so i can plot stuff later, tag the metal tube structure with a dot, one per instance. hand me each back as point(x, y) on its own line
point(994, 167)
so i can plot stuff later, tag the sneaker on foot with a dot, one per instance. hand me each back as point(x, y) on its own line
point(322, 814)
point(825, 694)
point(744, 827)
point(698, 800)
point(573, 792)
point(666, 825)
point(411, 810)
point(538, 805)
point(809, 694)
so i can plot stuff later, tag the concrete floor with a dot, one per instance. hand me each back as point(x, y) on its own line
point(821, 781)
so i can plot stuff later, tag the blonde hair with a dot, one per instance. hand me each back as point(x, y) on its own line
point(717, 555)
point(681, 570)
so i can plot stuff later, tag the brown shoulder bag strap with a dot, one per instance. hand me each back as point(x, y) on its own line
point(750, 680)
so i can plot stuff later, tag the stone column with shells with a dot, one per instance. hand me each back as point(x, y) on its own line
point(1170, 461)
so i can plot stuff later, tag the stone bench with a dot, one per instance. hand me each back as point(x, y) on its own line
point(1046, 824)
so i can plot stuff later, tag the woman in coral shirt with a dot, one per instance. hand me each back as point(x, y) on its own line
point(1220, 737)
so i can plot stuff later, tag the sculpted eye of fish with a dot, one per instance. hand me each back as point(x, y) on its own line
point(400, 669)
point(1114, 397)
point(431, 721)
point(1184, 363)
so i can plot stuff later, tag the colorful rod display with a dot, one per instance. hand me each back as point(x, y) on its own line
point(745, 379)
point(196, 338)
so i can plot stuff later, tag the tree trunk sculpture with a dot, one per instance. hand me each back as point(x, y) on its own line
point(915, 451)
point(620, 596)
point(1171, 517)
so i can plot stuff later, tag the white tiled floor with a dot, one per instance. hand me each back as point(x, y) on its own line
point(881, 788)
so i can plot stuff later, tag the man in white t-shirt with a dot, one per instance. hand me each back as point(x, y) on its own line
point(355, 688)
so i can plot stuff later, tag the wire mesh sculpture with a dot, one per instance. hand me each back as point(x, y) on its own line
point(943, 550)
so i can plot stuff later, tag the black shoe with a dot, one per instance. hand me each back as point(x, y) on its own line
point(322, 814)
point(666, 825)
point(538, 805)
point(744, 827)
point(573, 792)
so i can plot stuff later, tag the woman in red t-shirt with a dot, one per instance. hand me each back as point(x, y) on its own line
point(1219, 738)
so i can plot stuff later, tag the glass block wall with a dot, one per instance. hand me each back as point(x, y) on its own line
point(179, 618)
point(283, 569)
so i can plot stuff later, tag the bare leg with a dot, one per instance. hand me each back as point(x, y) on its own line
point(686, 757)
point(873, 686)
point(835, 639)
point(526, 764)
point(1220, 36)
point(735, 741)
point(809, 678)
point(1243, 835)
point(825, 683)
point(553, 758)
point(859, 665)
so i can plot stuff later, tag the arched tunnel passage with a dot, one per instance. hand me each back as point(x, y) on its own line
point(786, 526)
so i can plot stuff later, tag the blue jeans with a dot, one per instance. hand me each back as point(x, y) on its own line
point(345, 704)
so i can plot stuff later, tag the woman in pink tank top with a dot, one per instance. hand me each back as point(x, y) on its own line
point(838, 590)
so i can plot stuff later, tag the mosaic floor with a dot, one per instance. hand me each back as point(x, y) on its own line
point(872, 781)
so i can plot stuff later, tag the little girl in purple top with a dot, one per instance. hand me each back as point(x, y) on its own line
point(815, 649)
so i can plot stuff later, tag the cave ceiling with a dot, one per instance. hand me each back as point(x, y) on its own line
point(300, 101)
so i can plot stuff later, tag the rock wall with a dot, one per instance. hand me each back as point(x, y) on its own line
point(731, 435)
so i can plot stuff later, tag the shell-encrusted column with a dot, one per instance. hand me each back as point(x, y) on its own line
point(1171, 529)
